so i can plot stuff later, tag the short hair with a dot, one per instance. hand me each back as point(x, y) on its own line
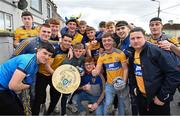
point(155, 19)
point(121, 23)
point(45, 25)
point(72, 20)
point(106, 34)
point(89, 59)
point(67, 34)
point(102, 24)
point(54, 21)
point(46, 45)
point(89, 28)
point(110, 23)
point(26, 13)
point(78, 46)
point(82, 22)
point(138, 29)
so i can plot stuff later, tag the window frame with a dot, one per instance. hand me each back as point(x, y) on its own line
point(39, 10)
point(5, 27)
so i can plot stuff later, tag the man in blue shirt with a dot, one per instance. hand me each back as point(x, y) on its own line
point(17, 74)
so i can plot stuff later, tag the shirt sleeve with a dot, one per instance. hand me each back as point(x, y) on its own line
point(100, 60)
point(122, 57)
point(25, 63)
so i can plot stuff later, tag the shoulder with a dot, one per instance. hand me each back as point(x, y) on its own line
point(19, 28)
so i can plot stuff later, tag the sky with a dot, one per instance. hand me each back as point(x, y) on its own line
point(138, 12)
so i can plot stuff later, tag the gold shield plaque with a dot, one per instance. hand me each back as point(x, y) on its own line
point(66, 79)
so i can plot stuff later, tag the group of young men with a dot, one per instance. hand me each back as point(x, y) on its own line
point(122, 66)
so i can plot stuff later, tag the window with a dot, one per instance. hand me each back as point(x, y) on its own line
point(36, 5)
point(48, 11)
point(8, 22)
point(5, 21)
point(1, 21)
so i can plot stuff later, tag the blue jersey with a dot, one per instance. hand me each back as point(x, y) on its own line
point(95, 82)
point(27, 63)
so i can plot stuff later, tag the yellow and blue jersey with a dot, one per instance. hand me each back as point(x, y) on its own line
point(138, 72)
point(94, 49)
point(21, 33)
point(113, 64)
point(165, 37)
point(77, 38)
point(57, 59)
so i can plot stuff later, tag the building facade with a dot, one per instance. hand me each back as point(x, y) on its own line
point(10, 13)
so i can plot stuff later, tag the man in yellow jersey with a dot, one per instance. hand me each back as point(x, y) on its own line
point(115, 64)
point(152, 75)
point(163, 40)
point(71, 28)
point(93, 45)
point(44, 77)
point(27, 30)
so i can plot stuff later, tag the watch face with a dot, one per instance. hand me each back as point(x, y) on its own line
point(66, 79)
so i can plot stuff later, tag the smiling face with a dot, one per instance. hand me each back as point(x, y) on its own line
point(66, 42)
point(108, 43)
point(111, 29)
point(45, 33)
point(78, 52)
point(122, 32)
point(89, 66)
point(91, 34)
point(55, 29)
point(72, 26)
point(43, 55)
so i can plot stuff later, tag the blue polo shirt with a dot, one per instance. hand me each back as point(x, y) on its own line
point(27, 63)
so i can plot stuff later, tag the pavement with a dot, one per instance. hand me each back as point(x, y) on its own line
point(175, 108)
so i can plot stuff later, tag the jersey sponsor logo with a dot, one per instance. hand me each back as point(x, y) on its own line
point(113, 66)
point(138, 70)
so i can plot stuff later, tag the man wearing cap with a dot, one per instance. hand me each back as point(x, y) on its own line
point(27, 30)
point(71, 28)
point(115, 64)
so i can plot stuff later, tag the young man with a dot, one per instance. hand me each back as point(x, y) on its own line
point(17, 75)
point(122, 36)
point(77, 61)
point(27, 30)
point(115, 64)
point(55, 29)
point(82, 31)
point(102, 29)
point(30, 45)
point(91, 89)
point(71, 28)
point(110, 27)
point(45, 73)
point(93, 45)
point(152, 75)
point(162, 40)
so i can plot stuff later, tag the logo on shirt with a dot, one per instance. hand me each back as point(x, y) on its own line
point(138, 70)
point(113, 66)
